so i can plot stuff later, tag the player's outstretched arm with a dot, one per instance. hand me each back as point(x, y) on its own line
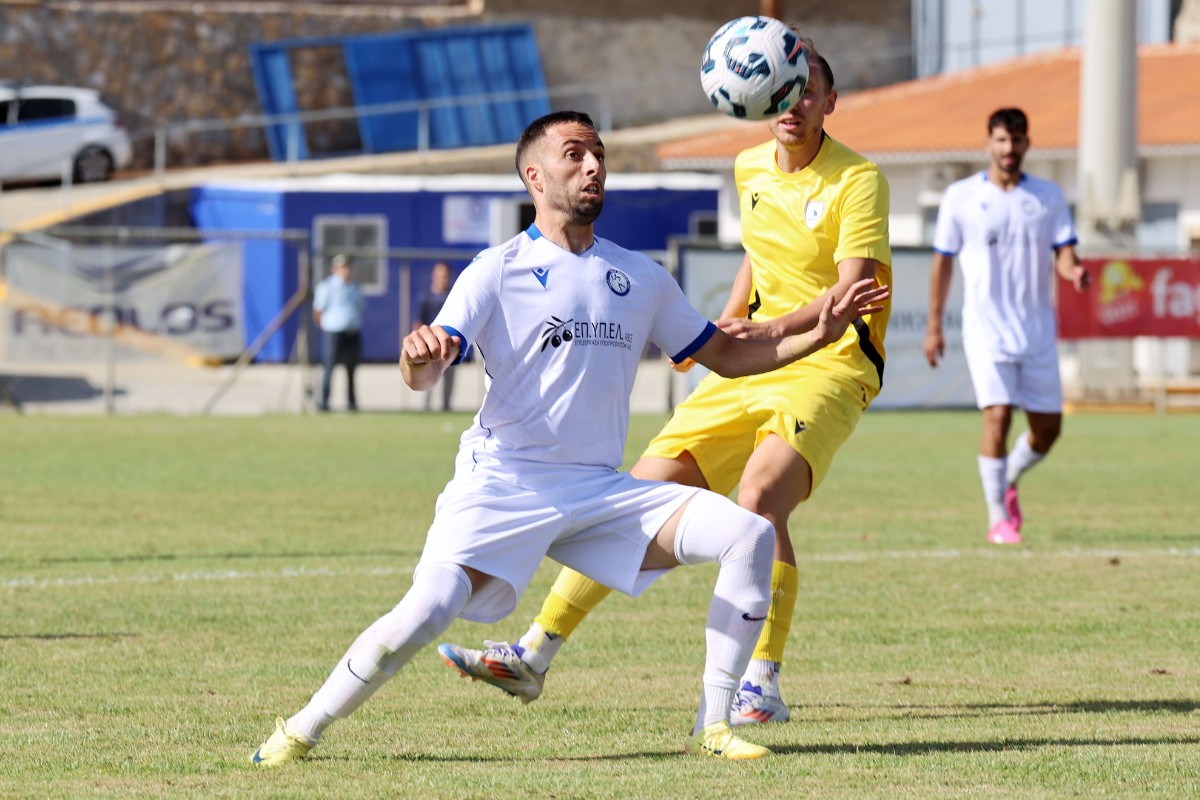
point(732, 357)
point(1067, 264)
point(940, 275)
point(427, 353)
point(802, 319)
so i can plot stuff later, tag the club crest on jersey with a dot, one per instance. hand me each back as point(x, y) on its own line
point(618, 282)
point(541, 273)
point(1029, 207)
point(813, 212)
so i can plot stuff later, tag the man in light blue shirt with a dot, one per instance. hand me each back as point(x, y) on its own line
point(338, 309)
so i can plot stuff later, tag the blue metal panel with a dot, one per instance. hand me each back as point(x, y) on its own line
point(430, 65)
point(277, 95)
point(433, 77)
point(268, 267)
point(645, 219)
point(468, 79)
point(526, 69)
point(381, 70)
point(640, 219)
point(497, 69)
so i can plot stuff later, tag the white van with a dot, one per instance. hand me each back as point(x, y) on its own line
point(50, 132)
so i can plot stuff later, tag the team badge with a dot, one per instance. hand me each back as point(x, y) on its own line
point(813, 212)
point(618, 282)
point(1029, 207)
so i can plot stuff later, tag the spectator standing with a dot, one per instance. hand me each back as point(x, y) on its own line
point(430, 304)
point(338, 310)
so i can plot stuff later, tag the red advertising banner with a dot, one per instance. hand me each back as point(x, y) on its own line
point(1133, 297)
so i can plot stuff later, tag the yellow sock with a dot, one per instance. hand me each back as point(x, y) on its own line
point(572, 598)
point(785, 585)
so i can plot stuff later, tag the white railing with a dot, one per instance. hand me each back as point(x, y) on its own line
point(163, 133)
point(294, 123)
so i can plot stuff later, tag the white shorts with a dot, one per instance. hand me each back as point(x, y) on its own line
point(594, 520)
point(1031, 381)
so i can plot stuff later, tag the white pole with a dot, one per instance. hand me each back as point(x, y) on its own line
point(1108, 186)
point(110, 349)
point(1107, 203)
point(160, 152)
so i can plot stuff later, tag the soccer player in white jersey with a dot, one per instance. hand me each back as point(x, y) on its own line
point(1011, 232)
point(561, 318)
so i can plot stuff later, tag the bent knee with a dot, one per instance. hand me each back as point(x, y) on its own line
point(752, 534)
point(714, 528)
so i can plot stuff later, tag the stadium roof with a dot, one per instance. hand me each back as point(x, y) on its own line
point(944, 116)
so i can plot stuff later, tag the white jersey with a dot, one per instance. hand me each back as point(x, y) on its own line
point(1005, 242)
point(561, 336)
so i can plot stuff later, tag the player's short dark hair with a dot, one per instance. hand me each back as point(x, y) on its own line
point(537, 129)
point(814, 55)
point(1012, 120)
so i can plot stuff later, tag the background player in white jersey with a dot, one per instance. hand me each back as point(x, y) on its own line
point(561, 318)
point(1011, 232)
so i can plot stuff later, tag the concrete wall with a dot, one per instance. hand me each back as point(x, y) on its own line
point(167, 62)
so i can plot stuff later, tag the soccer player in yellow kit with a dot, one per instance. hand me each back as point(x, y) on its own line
point(814, 219)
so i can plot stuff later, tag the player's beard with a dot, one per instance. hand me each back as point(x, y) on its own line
point(585, 212)
point(1009, 164)
point(1012, 166)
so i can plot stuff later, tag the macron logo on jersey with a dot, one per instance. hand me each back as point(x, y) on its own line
point(541, 273)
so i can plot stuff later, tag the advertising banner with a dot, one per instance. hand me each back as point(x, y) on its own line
point(73, 302)
point(1133, 297)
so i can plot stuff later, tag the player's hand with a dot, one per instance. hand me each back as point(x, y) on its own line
point(862, 298)
point(742, 328)
point(426, 345)
point(683, 366)
point(935, 347)
point(1080, 278)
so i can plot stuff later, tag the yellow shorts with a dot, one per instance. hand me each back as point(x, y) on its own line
point(812, 408)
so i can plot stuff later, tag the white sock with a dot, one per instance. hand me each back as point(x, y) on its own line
point(714, 528)
point(764, 674)
point(1022, 459)
point(437, 595)
point(991, 472)
point(539, 647)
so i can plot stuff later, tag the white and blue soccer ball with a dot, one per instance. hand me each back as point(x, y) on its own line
point(754, 68)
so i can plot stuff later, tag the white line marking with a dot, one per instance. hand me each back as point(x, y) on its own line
point(209, 575)
point(29, 582)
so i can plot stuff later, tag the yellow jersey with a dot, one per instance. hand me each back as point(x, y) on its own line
point(798, 226)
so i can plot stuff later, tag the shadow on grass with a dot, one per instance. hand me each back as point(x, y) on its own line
point(925, 748)
point(248, 556)
point(53, 637)
point(882, 748)
point(909, 711)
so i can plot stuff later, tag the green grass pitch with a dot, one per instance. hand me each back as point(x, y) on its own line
point(168, 586)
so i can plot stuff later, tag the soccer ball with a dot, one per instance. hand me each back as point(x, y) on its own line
point(754, 68)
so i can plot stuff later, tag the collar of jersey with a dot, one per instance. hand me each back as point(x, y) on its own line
point(533, 233)
point(822, 153)
point(1018, 183)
